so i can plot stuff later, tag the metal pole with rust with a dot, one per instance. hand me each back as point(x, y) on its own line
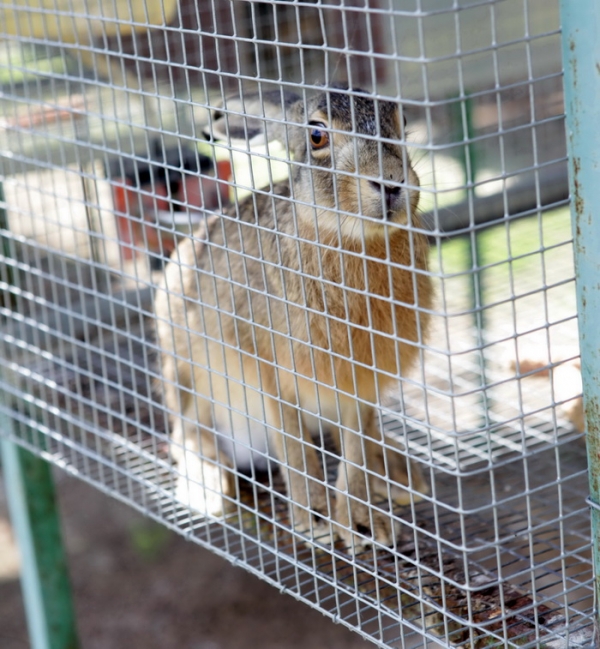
point(581, 58)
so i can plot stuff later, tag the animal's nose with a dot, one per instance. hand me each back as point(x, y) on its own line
point(391, 194)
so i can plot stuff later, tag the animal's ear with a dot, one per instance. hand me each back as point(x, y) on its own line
point(251, 120)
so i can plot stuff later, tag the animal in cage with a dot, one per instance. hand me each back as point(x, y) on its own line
point(295, 311)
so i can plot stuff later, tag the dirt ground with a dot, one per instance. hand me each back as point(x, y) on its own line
point(139, 586)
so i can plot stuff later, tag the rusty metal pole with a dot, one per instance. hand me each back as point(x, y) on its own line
point(581, 59)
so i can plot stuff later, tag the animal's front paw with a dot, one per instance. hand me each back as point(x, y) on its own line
point(396, 470)
point(199, 498)
point(360, 524)
point(312, 520)
point(202, 487)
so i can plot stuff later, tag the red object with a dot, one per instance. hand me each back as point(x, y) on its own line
point(155, 201)
point(123, 198)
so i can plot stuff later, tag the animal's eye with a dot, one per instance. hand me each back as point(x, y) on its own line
point(318, 137)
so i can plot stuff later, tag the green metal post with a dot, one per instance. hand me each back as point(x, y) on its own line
point(46, 588)
point(463, 120)
point(581, 58)
point(6, 273)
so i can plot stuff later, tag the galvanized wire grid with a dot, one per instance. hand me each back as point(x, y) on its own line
point(104, 167)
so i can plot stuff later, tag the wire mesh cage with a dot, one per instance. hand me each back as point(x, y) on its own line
point(296, 280)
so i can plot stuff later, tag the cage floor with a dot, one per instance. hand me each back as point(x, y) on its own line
point(424, 587)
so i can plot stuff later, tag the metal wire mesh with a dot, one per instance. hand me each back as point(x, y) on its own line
point(106, 170)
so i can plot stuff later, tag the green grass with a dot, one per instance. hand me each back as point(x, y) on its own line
point(21, 64)
point(149, 539)
point(517, 243)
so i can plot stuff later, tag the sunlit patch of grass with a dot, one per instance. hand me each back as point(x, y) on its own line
point(21, 64)
point(515, 246)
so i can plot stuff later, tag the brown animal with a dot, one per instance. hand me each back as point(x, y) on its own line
point(295, 311)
